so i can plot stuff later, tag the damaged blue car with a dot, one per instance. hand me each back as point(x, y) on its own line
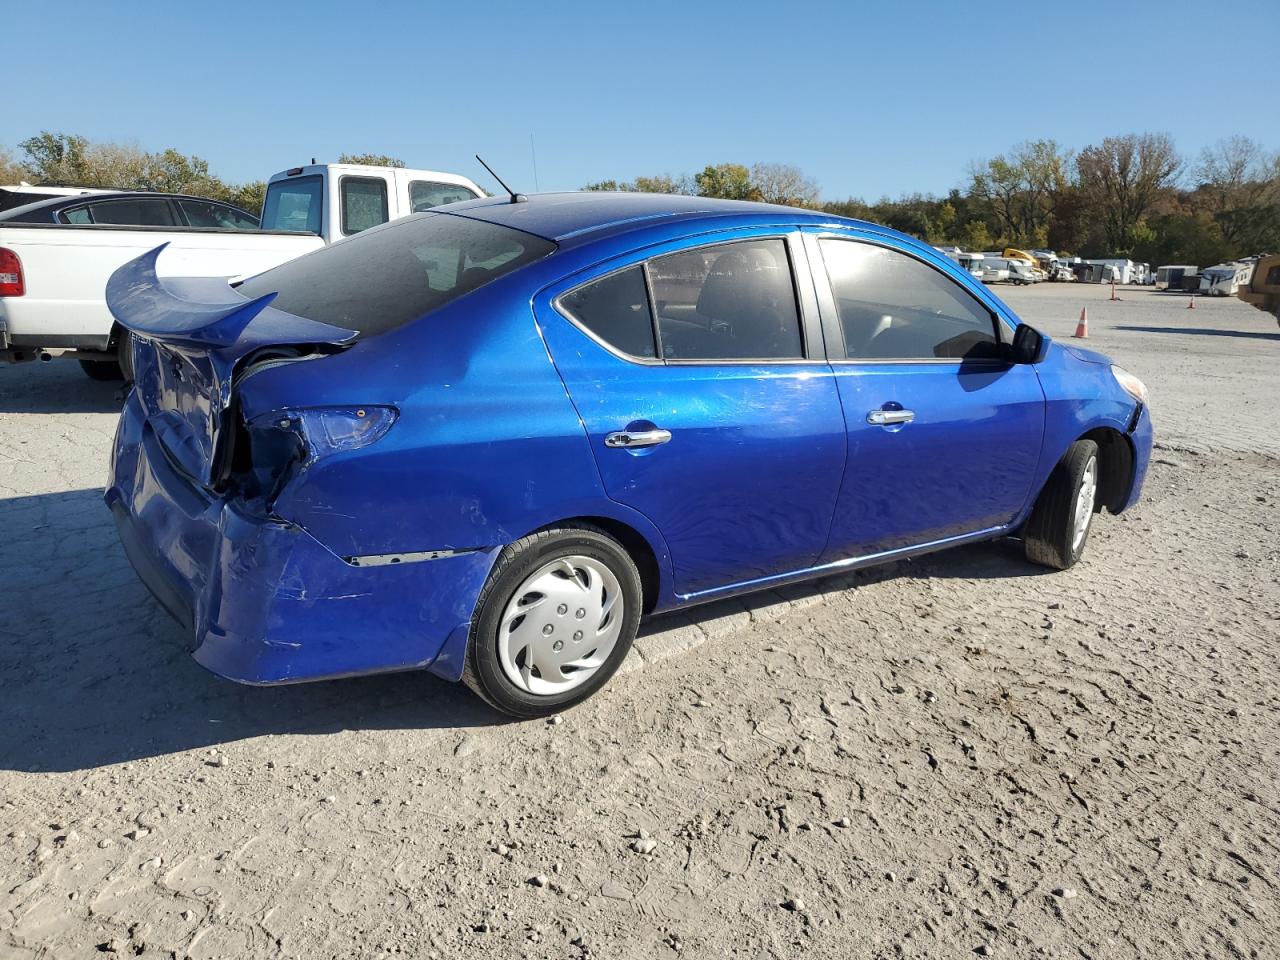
point(487, 440)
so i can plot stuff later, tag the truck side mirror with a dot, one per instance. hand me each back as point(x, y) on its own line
point(1029, 345)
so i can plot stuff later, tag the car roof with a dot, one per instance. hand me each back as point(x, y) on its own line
point(58, 203)
point(573, 218)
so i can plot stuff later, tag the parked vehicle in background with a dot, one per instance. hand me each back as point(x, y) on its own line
point(969, 262)
point(1120, 270)
point(134, 209)
point(1225, 279)
point(486, 440)
point(60, 252)
point(1263, 289)
point(24, 193)
point(1065, 271)
point(1014, 255)
point(1016, 271)
point(973, 263)
point(1170, 277)
point(336, 200)
point(993, 271)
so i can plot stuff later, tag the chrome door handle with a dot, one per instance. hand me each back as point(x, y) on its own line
point(636, 438)
point(884, 418)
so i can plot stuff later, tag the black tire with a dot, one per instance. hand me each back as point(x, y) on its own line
point(124, 355)
point(483, 672)
point(1049, 535)
point(102, 369)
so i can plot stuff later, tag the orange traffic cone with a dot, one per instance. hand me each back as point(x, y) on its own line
point(1192, 304)
point(1082, 328)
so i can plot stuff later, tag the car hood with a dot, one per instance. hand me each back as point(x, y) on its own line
point(1088, 356)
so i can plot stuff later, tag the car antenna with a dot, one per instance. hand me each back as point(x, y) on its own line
point(515, 197)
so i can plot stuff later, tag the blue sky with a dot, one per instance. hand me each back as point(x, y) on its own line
point(870, 99)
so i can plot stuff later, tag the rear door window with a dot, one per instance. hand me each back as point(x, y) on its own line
point(133, 213)
point(205, 213)
point(730, 301)
point(425, 194)
point(295, 204)
point(895, 307)
point(615, 310)
point(364, 203)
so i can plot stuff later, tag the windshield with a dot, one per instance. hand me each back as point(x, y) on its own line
point(294, 204)
point(391, 274)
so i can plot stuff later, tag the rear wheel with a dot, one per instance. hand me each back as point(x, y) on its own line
point(1059, 525)
point(554, 621)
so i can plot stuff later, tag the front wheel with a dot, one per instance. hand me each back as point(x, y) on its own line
point(554, 621)
point(1058, 528)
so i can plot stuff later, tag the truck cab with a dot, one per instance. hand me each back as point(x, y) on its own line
point(336, 200)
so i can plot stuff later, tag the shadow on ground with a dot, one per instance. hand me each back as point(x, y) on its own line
point(1205, 332)
point(59, 386)
point(95, 672)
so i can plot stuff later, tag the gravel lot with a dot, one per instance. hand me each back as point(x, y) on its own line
point(957, 756)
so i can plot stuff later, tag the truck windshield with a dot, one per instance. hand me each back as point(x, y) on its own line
point(294, 204)
point(399, 271)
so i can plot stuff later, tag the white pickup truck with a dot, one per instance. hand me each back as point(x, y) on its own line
point(53, 275)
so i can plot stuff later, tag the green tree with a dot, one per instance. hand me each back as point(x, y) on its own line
point(975, 236)
point(11, 171)
point(1122, 178)
point(1021, 191)
point(1239, 182)
point(56, 157)
point(729, 181)
point(662, 183)
point(371, 159)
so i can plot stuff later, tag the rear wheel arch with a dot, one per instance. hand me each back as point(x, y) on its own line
point(636, 545)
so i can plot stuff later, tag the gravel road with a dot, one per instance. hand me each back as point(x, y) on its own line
point(957, 756)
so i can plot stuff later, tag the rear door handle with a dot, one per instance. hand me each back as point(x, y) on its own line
point(884, 418)
point(636, 438)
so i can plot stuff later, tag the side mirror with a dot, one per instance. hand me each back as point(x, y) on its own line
point(1029, 345)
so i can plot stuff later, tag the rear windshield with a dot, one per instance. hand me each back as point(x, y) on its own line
point(294, 205)
point(389, 275)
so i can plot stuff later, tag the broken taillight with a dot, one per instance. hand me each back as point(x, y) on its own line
point(271, 449)
point(12, 283)
point(329, 430)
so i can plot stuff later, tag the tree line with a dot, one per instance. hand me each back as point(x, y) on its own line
point(1129, 196)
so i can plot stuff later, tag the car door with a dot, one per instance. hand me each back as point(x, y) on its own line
point(943, 433)
point(699, 376)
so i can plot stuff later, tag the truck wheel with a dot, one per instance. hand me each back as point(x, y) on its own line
point(554, 621)
point(102, 369)
point(124, 355)
point(1058, 528)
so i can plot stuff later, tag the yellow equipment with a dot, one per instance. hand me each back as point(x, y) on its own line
point(1263, 290)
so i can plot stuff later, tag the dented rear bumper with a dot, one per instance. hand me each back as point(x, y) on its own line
point(264, 600)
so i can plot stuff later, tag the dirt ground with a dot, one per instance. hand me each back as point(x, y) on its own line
point(958, 756)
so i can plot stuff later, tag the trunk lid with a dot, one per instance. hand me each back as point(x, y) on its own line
point(197, 335)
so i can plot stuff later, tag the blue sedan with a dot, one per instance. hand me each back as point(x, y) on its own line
point(487, 440)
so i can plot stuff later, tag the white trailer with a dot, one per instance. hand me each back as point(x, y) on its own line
point(1226, 279)
point(1122, 272)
